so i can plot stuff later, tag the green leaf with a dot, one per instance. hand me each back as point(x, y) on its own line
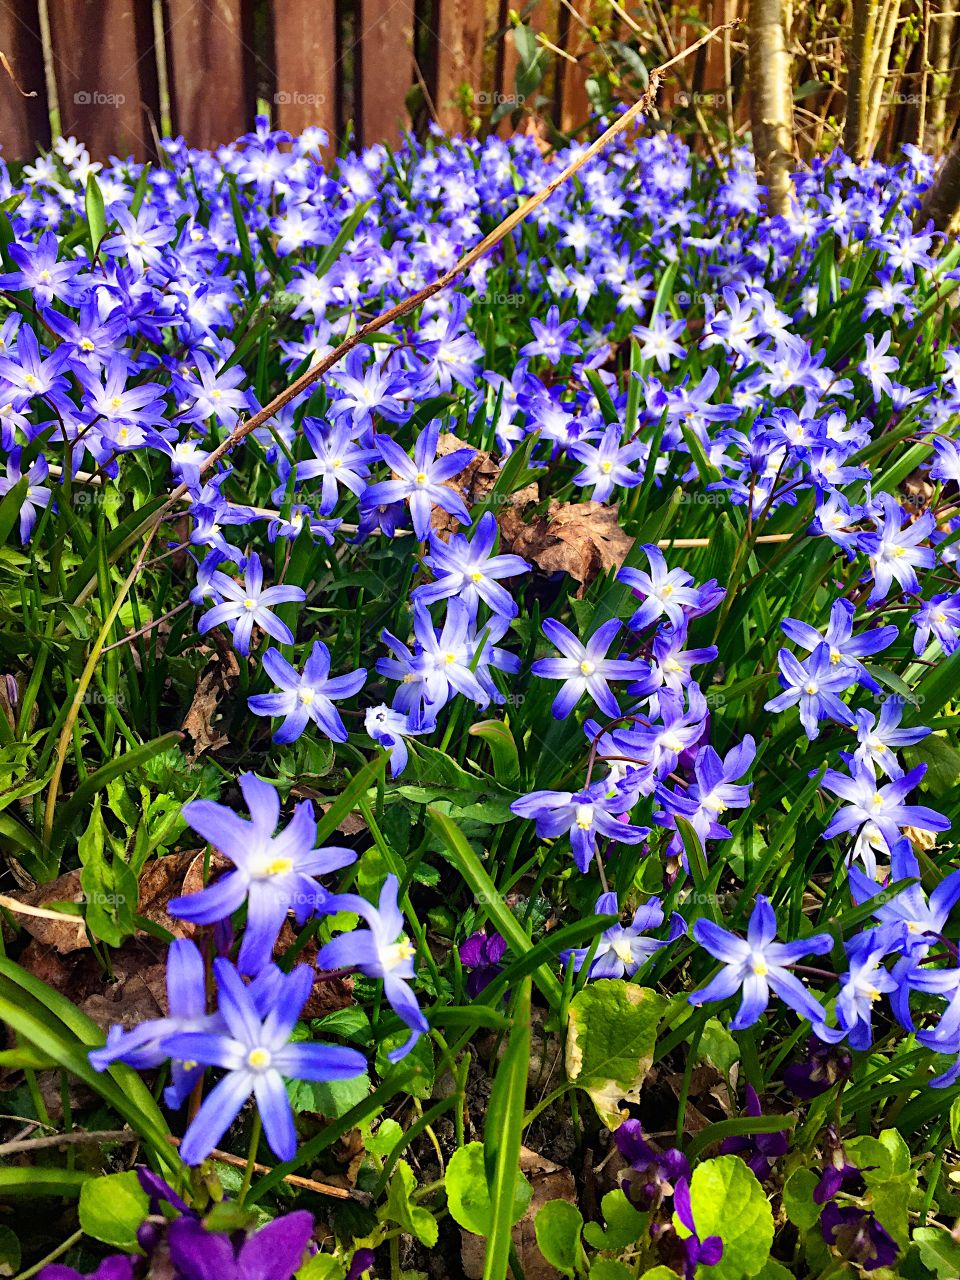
point(467, 1196)
point(9, 1252)
point(503, 750)
point(96, 215)
point(400, 1209)
point(798, 1202)
point(414, 1072)
point(718, 1047)
point(110, 888)
point(10, 508)
point(728, 1201)
point(330, 1098)
point(889, 1177)
point(611, 1037)
point(658, 1273)
point(243, 236)
point(36, 1181)
point(112, 1208)
point(52, 1023)
point(346, 802)
point(938, 1251)
point(624, 1224)
point(136, 758)
point(610, 1269)
point(774, 1270)
point(386, 1137)
point(558, 1226)
point(322, 1266)
point(502, 1134)
point(332, 253)
point(500, 915)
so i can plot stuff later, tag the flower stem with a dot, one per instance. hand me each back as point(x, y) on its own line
point(251, 1157)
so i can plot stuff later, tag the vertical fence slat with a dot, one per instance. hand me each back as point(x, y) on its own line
point(210, 72)
point(305, 52)
point(104, 62)
point(460, 29)
point(542, 18)
point(24, 122)
point(573, 108)
point(386, 68)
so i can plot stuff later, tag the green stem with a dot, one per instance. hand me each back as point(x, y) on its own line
point(251, 1157)
point(60, 1250)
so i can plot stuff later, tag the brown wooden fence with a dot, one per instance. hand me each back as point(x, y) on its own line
point(117, 73)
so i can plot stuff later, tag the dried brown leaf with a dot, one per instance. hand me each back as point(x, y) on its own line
point(583, 539)
point(550, 1182)
point(216, 680)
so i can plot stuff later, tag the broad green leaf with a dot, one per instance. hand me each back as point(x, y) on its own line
point(774, 1270)
point(728, 1201)
point(798, 1202)
point(889, 1177)
point(468, 1198)
point(9, 1252)
point(414, 1072)
point(938, 1251)
point(322, 1266)
point(112, 1208)
point(624, 1224)
point(611, 1037)
point(386, 1137)
point(718, 1047)
point(558, 1226)
point(400, 1209)
point(330, 1098)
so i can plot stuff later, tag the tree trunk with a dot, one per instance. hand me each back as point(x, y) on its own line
point(860, 61)
point(941, 39)
point(771, 101)
point(879, 82)
point(943, 199)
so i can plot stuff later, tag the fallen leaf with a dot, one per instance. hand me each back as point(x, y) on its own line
point(474, 484)
point(550, 1182)
point(64, 935)
point(583, 539)
point(164, 878)
point(216, 679)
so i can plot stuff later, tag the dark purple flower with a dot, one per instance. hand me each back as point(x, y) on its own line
point(273, 1253)
point(482, 953)
point(822, 1067)
point(654, 1173)
point(685, 1255)
point(360, 1263)
point(758, 1149)
point(858, 1236)
point(836, 1172)
point(117, 1267)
